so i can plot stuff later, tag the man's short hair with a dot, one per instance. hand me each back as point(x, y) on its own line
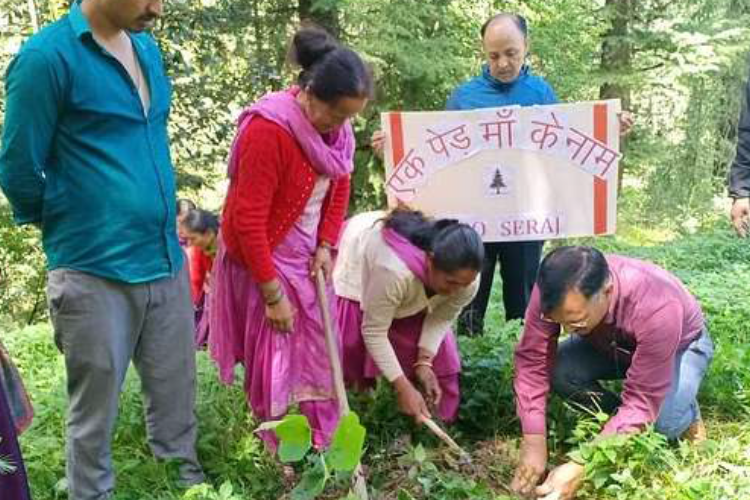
point(517, 19)
point(579, 268)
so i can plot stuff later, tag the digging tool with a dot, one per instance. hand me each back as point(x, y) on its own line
point(464, 457)
point(358, 480)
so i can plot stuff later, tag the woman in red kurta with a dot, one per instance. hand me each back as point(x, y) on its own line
point(201, 230)
point(288, 195)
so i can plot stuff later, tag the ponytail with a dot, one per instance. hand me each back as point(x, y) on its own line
point(453, 245)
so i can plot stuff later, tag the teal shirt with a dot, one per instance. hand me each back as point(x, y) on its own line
point(80, 158)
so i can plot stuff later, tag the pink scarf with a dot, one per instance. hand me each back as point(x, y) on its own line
point(331, 155)
point(414, 257)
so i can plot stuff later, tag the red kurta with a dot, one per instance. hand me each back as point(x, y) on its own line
point(200, 266)
point(270, 189)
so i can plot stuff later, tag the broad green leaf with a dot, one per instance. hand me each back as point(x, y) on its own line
point(347, 444)
point(313, 481)
point(295, 436)
point(226, 490)
point(600, 479)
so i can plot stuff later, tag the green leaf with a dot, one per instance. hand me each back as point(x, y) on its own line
point(610, 453)
point(600, 479)
point(348, 441)
point(295, 436)
point(313, 481)
point(420, 455)
point(226, 490)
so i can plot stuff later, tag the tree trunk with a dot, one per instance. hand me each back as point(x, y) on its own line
point(617, 56)
point(617, 52)
point(325, 17)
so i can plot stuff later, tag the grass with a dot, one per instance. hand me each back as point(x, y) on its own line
point(404, 463)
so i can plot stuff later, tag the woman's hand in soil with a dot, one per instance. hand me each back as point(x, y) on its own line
point(410, 400)
point(429, 383)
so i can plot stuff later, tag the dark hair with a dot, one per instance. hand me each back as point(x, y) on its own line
point(453, 245)
point(184, 205)
point(329, 70)
point(517, 19)
point(583, 269)
point(201, 221)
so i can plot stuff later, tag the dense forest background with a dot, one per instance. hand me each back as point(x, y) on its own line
point(678, 65)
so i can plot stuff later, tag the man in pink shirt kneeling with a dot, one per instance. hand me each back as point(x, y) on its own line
point(627, 319)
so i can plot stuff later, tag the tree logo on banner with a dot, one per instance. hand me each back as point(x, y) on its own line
point(497, 181)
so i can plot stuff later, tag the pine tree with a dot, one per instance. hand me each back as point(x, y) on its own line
point(497, 181)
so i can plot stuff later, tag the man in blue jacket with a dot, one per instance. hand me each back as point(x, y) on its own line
point(85, 157)
point(506, 80)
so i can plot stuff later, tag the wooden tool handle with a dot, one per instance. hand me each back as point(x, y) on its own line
point(358, 479)
point(435, 428)
point(331, 344)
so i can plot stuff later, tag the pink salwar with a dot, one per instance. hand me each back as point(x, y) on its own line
point(281, 369)
point(360, 370)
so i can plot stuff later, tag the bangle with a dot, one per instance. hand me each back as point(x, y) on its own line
point(423, 362)
point(324, 244)
point(274, 293)
point(278, 295)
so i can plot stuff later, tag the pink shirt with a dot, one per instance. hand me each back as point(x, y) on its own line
point(651, 317)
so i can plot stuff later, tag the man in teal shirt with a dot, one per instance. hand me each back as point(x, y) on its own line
point(85, 157)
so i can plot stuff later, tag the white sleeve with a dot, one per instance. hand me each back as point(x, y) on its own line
point(439, 320)
point(383, 291)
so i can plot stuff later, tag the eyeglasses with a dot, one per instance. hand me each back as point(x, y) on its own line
point(578, 325)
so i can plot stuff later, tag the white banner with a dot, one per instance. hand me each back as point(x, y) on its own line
point(514, 173)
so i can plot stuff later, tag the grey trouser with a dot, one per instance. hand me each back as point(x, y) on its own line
point(100, 326)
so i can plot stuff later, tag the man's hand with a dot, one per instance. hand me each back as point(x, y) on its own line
point(562, 483)
point(741, 216)
point(378, 143)
point(532, 464)
point(626, 122)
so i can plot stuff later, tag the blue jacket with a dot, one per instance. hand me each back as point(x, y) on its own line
point(485, 91)
point(81, 159)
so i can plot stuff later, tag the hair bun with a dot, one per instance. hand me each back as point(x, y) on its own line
point(310, 45)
